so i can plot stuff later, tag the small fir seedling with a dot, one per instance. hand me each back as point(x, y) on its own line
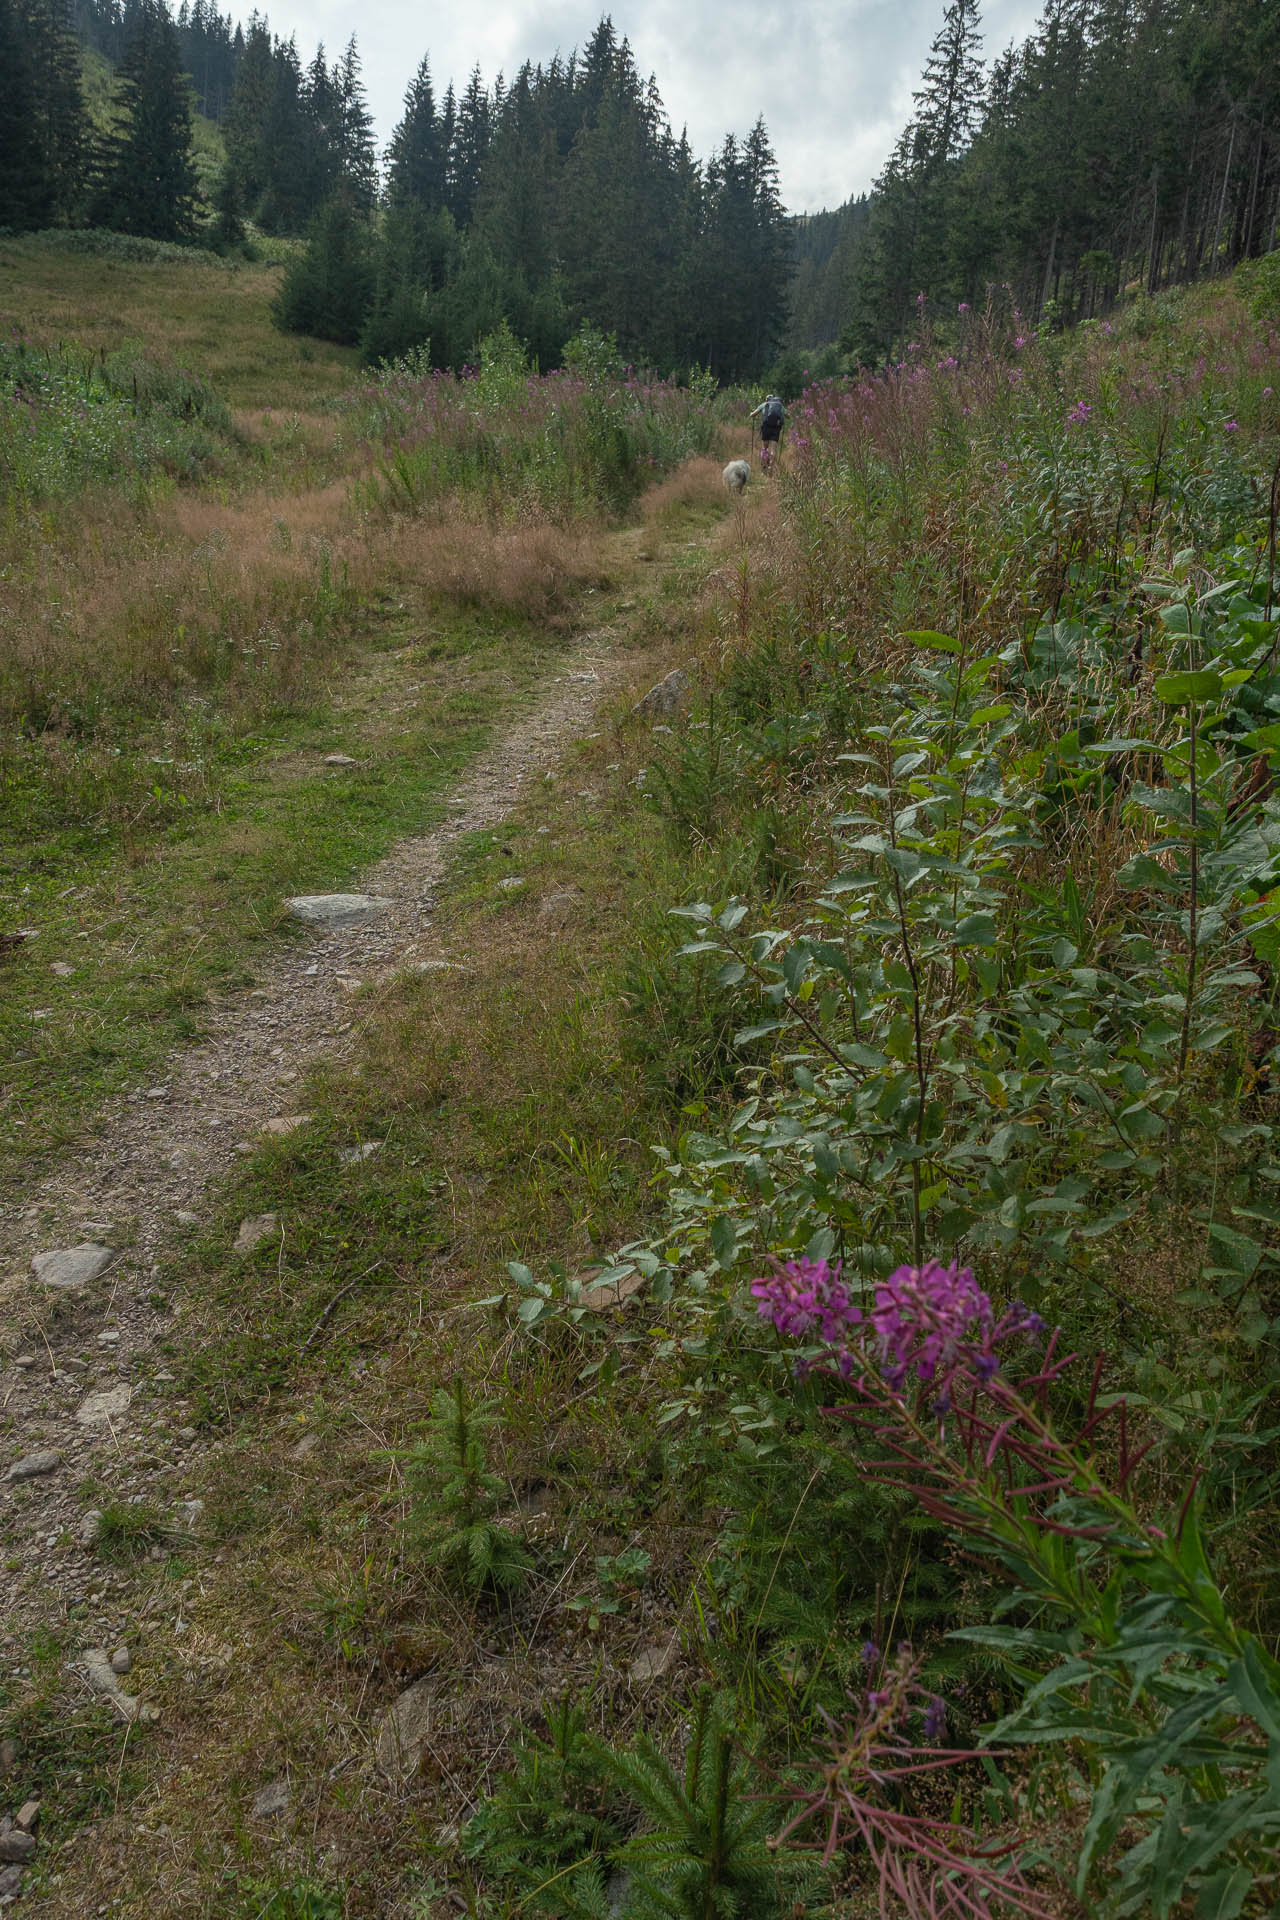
point(454, 1498)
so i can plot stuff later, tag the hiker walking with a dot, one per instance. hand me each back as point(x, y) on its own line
point(772, 415)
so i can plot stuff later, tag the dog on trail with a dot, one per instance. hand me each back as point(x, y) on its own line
point(736, 476)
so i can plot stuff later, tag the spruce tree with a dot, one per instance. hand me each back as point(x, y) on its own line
point(147, 178)
point(415, 161)
point(356, 155)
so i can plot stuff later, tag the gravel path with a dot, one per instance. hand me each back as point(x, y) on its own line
point(81, 1390)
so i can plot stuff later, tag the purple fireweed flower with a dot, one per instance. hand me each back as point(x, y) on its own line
point(807, 1299)
point(963, 307)
point(1079, 413)
point(933, 1322)
point(1231, 426)
point(935, 1718)
point(870, 1654)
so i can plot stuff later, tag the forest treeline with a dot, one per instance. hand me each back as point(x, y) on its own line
point(1124, 145)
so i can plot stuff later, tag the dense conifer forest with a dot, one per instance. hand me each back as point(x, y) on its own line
point(1124, 144)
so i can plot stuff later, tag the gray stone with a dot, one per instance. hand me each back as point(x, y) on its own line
point(558, 908)
point(336, 909)
point(120, 1660)
point(404, 1730)
point(26, 1361)
point(257, 1228)
point(63, 969)
point(662, 699)
point(95, 1664)
point(512, 884)
point(10, 1883)
point(33, 1465)
point(352, 1156)
point(286, 1123)
point(185, 1217)
point(308, 1444)
point(27, 1815)
point(652, 1663)
point(271, 1800)
point(99, 1409)
point(340, 760)
point(17, 1847)
point(91, 1528)
point(72, 1266)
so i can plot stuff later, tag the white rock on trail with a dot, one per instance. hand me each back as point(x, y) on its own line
point(99, 1409)
point(336, 909)
point(70, 1267)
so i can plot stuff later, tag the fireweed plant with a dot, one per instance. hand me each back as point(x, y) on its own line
point(1003, 686)
point(1179, 1707)
point(581, 441)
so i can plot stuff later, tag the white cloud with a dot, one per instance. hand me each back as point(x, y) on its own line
point(832, 78)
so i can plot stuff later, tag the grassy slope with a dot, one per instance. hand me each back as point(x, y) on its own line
point(213, 317)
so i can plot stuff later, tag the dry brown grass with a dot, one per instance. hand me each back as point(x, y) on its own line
point(141, 611)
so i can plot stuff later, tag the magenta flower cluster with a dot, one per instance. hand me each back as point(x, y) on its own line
point(808, 1300)
point(933, 1322)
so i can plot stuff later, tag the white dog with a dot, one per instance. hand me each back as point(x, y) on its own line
point(736, 476)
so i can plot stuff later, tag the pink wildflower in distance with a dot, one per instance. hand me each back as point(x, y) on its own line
point(1231, 426)
point(1079, 413)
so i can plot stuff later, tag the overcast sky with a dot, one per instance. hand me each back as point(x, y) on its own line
point(833, 78)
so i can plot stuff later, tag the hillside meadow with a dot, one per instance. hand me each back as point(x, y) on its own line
point(793, 1391)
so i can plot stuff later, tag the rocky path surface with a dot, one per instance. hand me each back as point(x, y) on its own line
point(83, 1394)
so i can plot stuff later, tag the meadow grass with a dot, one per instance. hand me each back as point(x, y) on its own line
point(211, 316)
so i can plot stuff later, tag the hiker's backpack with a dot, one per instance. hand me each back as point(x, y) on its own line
point(774, 413)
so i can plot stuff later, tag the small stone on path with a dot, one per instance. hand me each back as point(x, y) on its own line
point(70, 1267)
point(259, 1227)
point(336, 909)
point(27, 1815)
point(91, 1528)
point(352, 1156)
point(286, 1123)
point(101, 1408)
point(33, 1466)
point(62, 969)
point(271, 1800)
point(17, 1847)
point(339, 760)
point(26, 1361)
point(185, 1217)
point(662, 699)
point(512, 884)
point(120, 1660)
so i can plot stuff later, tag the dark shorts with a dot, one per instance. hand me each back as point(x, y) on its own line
point(770, 429)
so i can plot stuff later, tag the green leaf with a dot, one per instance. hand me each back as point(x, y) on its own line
point(1175, 689)
point(1223, 1895)
point(938, 642)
